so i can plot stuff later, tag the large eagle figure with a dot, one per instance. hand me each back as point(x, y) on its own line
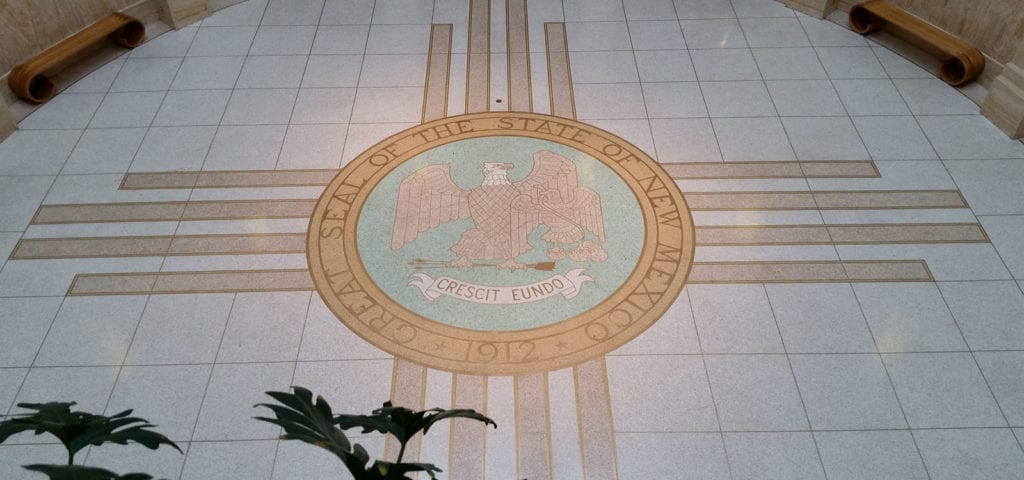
point(504, 213)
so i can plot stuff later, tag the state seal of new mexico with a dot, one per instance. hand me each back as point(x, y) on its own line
point(500, 243)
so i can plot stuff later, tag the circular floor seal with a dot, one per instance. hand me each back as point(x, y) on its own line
point(500, 243)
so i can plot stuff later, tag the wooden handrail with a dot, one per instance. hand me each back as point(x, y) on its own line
point(961, 62)
point(29, 80)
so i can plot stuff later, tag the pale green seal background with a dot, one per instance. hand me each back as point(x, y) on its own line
point(390, 270)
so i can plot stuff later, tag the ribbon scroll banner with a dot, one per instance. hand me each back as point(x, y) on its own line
point(568, 285)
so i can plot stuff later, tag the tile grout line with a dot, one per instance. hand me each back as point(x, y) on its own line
point(792, 372)
point(707, 377)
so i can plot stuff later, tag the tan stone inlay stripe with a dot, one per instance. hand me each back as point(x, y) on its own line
point(227, 179)
point(173, 211)
point(478, 61)
point(559, 75)
point(318, 178)
point(98, 247)
point(727, 170)
point(842, 234)
point(520, 95)
point(409, 390)
point(468, 438)
point(594, 414)
point(838, 200)
point(533, 427)
point(299, 280)
point(810, 272)
point(439, 62)
point(191, 282)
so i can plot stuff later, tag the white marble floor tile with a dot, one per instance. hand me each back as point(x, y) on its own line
point(293, 12)
point(988, 313)
point(659, 35)
point(227, 409)
point(207, 73)
point(344, 12)
point(312, 146)
point(847, 392)
point(685, 140)
point(725, 64)
point(665, 66)
point(396, 39)
point(89, 387)
point(351, 386)
point(749, 139)
point(254, 314)
point(272, 71)
point(326, 338)
point(893, 138)
point(216, 41)
point(340, 39)
point(374, 105)
point(68, 110)
point(252, 459)
point(760, 8)
point(674, 385)
point(603, 67)
point(283, 40)
point(241, 14)
point(165, 462)
point(970, 453)
point(91, 331)
point(332, 71)
point(824, 138)
point(734, 319)
point(1007, 233)
point(129, 109)
point(871, 97)
point(105, 150)
point(991, 187)
point(931, 96)
point(146, 74)
point(775, 456)
point(969, 137)
point(870, 455)
point(942, 390)
point(167, 396)
point(850, 62)
point(649, 10)
point(823, 33)
point(323, 105)
point(259, 107)
point(20, 197)
point(173, 148)
point(713, 33)
point(703, 9)
point(906, 317)
point(245, 148)
point(1002, 372)
point(823, 318)
point(593, 10)
point(755, 393)
point(609, 101)
point(174, 43)
point(192, 107)
point(180, 329)
point(29, 152)
point(24, 322)
point(773, 32)
point(789, 63)
point(805, 98)
point(393, 71)
point(671, 455)
point(738, 99)
point(598, 36)
point(674, 100)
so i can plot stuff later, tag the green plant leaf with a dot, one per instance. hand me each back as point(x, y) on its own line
point(397, 471)
point(404, 423)
point(77, 430)
point(313, 422)
point(76, 472)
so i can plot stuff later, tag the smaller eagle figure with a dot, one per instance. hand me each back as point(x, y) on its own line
point(504, 213)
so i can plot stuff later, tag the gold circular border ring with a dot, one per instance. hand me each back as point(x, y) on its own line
point(655, 282)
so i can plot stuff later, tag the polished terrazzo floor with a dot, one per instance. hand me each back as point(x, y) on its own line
point(855, 307)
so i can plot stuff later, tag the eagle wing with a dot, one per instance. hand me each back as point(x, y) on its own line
point(587, 212)
point(427, 198)
point(551, 172)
